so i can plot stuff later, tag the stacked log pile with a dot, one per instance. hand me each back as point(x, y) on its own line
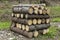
point(30, 20)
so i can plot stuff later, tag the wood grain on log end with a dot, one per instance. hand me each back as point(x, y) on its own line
point(43, 21)
point(27, 28)
point(29, 22)
point(20, 26)
point(34, 21)
point(23, 27)
point(47, 20)
point(44, 31)
point(22, 15)
point(30, 10)
point(40, 11)
point(39, 21)
point(35, 33)
point(18, 15)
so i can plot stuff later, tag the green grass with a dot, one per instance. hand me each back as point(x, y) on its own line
point(4, 25)
point(55, 11)
point(51, 34)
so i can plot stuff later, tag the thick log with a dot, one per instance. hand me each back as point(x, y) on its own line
point(36, 16)
point(34, 21)
point(37, 27)
point(22, 21)
point(24, 33)
point(23, 10)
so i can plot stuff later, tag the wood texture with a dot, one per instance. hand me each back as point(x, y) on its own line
point(36, 16)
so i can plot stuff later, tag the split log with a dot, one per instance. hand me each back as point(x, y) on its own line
point(44, 31)
point(34, 21)
point(22, 21)
point(36, 16)
point(24, 33)
point(18, 25)
point(35, 33)
point(17, 15)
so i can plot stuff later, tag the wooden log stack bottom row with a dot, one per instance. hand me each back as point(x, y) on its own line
point(26, 33)
point(30, 20)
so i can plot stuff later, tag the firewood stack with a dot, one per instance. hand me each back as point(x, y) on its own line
point(30, 20)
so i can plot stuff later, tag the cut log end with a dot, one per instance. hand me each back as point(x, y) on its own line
point(35, 11)
point(27, 28)
point(35, 33)
point(29, 22)
point(18, 15)
point(34, 21)
point(22, 15)
point(40, 11)
point(39, 21)
point(30, 10)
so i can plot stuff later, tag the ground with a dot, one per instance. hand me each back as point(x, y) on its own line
point(5, 22)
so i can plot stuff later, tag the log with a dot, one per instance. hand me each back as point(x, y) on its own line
point(42, 26)
point(44, 31)
point(40, 11)
point(24, 10)
point(12, 15)
point(35, 33)
point(29, 5)
point(17, 15)
point(34, 21)
point(39, 21)
point(36, 16)
point(24, 33)
point(23, 27)
point(36, 10)
point(47, 20)
point(18, 25)
point(37, 27)
point(43, 21)
point(16, 9)
point(30, 28)
point(22, 15)
point(22, 21)
point(44, 11)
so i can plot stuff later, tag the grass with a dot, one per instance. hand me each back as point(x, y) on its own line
point(51, 34)
point(55, 11)
point(4, 25)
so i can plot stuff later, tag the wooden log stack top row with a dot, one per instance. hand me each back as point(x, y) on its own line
point(29, 19)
